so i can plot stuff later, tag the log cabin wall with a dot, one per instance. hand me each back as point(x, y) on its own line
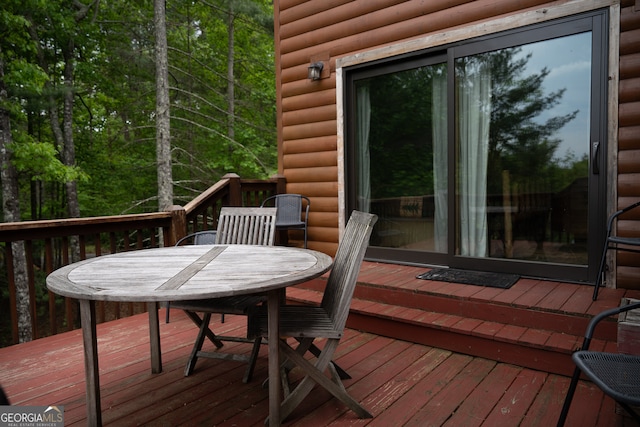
point(310, 120)
point(628, 156)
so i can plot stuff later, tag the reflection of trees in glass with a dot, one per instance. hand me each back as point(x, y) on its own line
point(400, 138)
point(517, 142)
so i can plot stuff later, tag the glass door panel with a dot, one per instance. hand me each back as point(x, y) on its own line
point(401, 141)
point(522, 137)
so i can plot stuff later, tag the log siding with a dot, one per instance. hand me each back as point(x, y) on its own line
point(628, 155)
point(343, 33)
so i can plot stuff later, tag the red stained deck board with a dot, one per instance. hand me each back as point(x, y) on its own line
point(536, 293)
point(369, 373)
point(443, 403)
point(488, 329)
point(409, 410)
point(488, 293)
point(516, 291)
point(467, 324)
point(381, 387)
point(566, 342)
point(446, 321)
point(586, 405)
point(517, 399)
point(427, 317)
point(580, 301)
point(535, 337)
point(474, 410)
point(510, 333)
point(546, 407)
point(174, 392)
point(559, 295)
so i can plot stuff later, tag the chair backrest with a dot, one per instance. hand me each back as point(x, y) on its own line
point(346, 266)
point(206, 237)
point(247, 226)
point(293, 209)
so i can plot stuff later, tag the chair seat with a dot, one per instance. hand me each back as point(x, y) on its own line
point(295, 321)
point(228, 305)
point(633, 241)
point(618, 375)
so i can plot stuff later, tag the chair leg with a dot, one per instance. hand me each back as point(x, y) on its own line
point(314, 374)
point(197, 346)
point(601, 270)
point(166, 320)
point(567, 400)
point(252, 360)
point(198, 321)
point(305, 237)
point(313, 349)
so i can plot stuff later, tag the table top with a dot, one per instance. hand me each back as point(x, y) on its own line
point(187, 272)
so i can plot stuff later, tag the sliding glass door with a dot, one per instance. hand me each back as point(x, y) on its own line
point(487, 154)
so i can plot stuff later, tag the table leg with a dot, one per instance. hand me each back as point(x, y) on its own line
point(273, 307)
point(154, 337)
point(92, 377)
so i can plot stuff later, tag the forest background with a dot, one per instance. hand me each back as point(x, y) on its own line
point(111, 107)
point(78, 104)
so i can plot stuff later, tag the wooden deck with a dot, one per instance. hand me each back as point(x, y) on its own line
point(400, 382)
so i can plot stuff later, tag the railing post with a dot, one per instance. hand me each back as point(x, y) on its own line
point(178, 227)
point(235, 189)
point(281, 183)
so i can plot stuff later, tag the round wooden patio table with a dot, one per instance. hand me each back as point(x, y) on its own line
point(183, 273)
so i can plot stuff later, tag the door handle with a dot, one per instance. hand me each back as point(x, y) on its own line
point(595, 163)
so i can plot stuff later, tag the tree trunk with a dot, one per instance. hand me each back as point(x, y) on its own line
point(231, 106)
point(11, 210)
point(69, 151)
point(163, 127)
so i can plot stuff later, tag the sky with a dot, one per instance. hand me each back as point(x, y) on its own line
point(569, 62)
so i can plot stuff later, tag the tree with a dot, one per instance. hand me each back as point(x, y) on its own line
point(163, 127)
point(517, 141)
point(11, 209)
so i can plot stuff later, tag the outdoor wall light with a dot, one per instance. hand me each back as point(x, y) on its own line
point(315, 70)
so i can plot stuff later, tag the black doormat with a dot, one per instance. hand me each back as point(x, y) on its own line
point(468, 277)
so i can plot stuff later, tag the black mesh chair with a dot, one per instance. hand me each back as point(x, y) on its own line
point(618, 243)
point(617, 375)
point(293, 212)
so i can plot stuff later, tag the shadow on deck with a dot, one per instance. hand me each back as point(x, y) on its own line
point(420, 353)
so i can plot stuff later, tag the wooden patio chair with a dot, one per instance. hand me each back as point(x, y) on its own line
point(244, 226)
point(293, 212)
point(306, 323)
point(617, 375)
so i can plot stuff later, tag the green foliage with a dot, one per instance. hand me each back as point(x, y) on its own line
point(114, 98)
point(39, 160)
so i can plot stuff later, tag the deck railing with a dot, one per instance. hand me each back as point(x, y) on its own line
point(51, 244)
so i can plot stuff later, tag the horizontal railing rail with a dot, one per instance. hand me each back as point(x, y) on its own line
point(30, 250)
